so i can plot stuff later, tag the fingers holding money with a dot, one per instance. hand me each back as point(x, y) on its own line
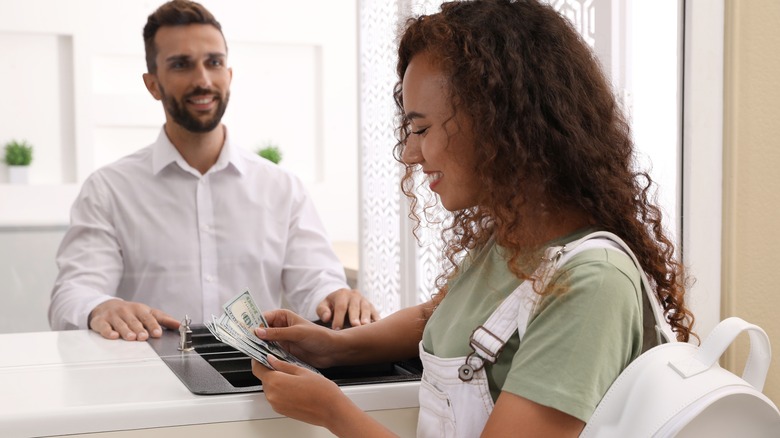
point(237, 327)
point(283, 318)
point(297, 392)
point(310, 342)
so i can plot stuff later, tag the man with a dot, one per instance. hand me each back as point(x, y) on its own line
point(183, 225)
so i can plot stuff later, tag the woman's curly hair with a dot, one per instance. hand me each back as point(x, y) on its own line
point(542, 111)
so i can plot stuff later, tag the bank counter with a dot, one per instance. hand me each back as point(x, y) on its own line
point(76, 383)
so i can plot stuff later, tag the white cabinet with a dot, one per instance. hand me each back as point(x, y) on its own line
point(77, 383)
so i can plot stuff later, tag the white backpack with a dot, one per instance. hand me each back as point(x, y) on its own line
point(677, 389)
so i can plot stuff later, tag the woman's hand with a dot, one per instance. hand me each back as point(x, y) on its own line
point(387, 340)
point(307, 341)
point(298, 393)
point(301, 394)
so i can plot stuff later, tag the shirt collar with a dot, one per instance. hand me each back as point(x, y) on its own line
point(164, 153)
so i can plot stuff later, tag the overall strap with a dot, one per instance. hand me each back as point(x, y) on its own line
point(488, 339)
point(513, 313)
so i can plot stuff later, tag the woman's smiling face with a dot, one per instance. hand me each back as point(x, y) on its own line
point(441, 141)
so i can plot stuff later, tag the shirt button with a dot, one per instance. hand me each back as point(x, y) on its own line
point(210, 278)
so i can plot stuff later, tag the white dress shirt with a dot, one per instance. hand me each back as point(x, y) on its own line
point(152, 229)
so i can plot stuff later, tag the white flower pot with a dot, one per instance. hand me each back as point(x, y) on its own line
point(18, 174)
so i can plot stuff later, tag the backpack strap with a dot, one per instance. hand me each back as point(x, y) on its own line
point(488, 339)
point(715, 345)
point(604, 239)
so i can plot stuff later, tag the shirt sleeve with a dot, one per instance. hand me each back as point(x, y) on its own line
point(311, 270)
point(89, 260)
point(582, 338)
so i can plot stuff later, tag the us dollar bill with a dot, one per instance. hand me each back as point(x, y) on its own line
point(236, 325)
point(245, 314)
point(225, 335)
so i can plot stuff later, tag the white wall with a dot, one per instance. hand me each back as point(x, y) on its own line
point(72, 87)
point(27, 272)
point(655, 99)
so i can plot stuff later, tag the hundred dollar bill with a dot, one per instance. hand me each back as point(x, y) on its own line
point(243, 311)
point(224, 335)
point(242, 316)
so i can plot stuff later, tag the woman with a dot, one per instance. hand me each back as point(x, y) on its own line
point(507, 113)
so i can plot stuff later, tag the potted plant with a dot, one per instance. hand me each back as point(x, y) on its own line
point(270, 152)
point(18, 156)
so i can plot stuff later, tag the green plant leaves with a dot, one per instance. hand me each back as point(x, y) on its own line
point(18, 153)
point(271, 153)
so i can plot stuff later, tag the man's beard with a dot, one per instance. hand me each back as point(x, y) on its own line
point(185, 119)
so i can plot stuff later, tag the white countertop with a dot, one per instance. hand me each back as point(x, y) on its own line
point(72, 382)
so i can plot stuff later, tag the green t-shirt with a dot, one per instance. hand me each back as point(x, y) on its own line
point(575, 345)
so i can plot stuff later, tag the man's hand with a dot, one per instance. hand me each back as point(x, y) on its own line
point(129, 320)
point(347, 302)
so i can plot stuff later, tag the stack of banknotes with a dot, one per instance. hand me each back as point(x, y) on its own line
point(236, 327)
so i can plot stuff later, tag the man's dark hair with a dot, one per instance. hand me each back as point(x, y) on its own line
point(174, 13)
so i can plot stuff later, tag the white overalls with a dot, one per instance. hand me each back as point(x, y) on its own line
point(455, 399)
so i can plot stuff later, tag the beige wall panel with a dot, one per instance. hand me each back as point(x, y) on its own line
point(751, 167)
